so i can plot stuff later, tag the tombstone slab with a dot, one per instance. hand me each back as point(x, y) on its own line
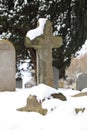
point(81, 82)
point(44, 45)
point(7, 66)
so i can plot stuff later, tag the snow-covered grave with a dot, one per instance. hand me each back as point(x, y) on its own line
point(61, 115)
point(43, 41)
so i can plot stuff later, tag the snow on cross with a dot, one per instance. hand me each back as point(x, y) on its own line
point(43, 41)
point(32, 34)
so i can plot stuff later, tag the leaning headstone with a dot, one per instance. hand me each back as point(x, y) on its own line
point(33, 105)
point(7, 66)
point(81, 82)
point(43, 43)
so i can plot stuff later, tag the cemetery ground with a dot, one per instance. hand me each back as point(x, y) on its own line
point(70, 114)
point(57, 109)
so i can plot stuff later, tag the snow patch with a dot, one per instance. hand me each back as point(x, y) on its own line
point(61, 114)
point(32, 34)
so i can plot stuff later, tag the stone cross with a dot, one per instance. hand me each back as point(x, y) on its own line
point(44, 45)
point(7, 66)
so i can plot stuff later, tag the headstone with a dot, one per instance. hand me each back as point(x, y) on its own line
point(7, 66)
point(81, 82)
point(44, 45)
point(18, 82)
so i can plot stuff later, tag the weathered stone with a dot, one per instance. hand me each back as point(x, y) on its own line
point(44, 45)
point(7, 66)
point(59, 96)
point(81, 82)
point(77, 110)
point(33, 105)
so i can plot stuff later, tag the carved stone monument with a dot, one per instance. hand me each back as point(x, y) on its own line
point(7, 66)
point(44, 44)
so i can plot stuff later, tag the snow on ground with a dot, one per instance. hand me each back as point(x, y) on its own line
point(63, 117)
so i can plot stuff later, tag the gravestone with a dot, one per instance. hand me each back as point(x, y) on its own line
point(81, 82)
point(18, 82)
point(7, 66)
point(44, 45)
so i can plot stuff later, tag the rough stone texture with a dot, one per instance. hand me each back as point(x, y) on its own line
point(43, 45)
point(59, 96)
point(7, 66)
point(81, 82)
point(33, 105)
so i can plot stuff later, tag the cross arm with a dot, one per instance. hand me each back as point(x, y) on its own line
point(56, 41)
point(33, 43)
